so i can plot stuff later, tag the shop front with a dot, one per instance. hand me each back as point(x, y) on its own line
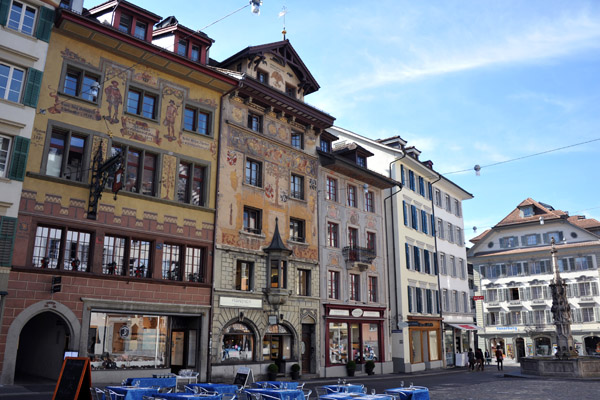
point(353, 333)
point(458, 339)
point(425, 343)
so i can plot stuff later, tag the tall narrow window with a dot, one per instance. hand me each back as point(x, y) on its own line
point(171, 262)
point(194, 268)
point(47, 247)
point(369, 203)
point(252, 220)
point(351, 196)
point(190, 188)
point(297, 140)
point(373, 289)
point(352, 237)
point(66, 155)
point(195, 55)
point(371, 241)
point(297, 230)
point(253, 172)
point(303, 282)
point(243, 275)
point(4, 152)
point(278, 274)
point(77, 250)
point(125, 23)
point(297, 187)
point(140, 171)
point(113, 256)
point(255, 122)
point(333, 285)
point(361, 161)
point(11, 82)
point(411, 180)
point(139, 258)
point(196, 120)
point(140, 30)
point(182, 46)
point(332, 234)
point(424, 221)
point(354, 287)
point(331, 189)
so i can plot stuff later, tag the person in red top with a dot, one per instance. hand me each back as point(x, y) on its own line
point(499, 358)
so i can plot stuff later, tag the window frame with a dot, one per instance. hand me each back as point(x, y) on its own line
point(5, 167)
point(140, 169)
point(297, 186)
point(331, 189)
point(125, 28)
point(372, 241)
point(370, 201)
point(333, 234)
point(10, 77)
point(55, 242)
point(68, 135)
point(297, 140)
point(206, 129)
point(24, 7)
point(303, 285)
point(333, 284)
point(351, 195)
point(354, 287)
point(249, 265)
point(143, 94)
point(191, 183)
point(256, 215)
point(80, 90)
point(138, 24)
point(262, 76)
point(297, 227)
point(250, 172)
point(373, 289)
point(252, 117)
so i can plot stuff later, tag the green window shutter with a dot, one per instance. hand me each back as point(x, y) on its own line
point(8, 229)
point(45, 22)
point(19, 159)
point(32, 87)
point(4, 7)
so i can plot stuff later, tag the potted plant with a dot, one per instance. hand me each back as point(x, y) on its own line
point(370, 367)
point(351, 367)
point(272, 371)
point(295, 372)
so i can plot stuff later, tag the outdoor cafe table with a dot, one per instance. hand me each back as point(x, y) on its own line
point(149, 382)
point(289, 385)
point(349, 388)
point(132, 392)
point(282, 394)
point(355, 396)
point(184, 396)
point(221, 388)
point(410, 393)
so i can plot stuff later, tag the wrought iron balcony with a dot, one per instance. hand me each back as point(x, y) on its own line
point(361, 255)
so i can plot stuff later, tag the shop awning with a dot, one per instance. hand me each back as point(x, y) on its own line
point(466, 327)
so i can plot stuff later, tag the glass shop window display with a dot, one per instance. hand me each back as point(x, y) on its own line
point(127, 341)
point(238, 343)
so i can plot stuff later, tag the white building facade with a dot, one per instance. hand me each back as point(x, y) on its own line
point(513, 270)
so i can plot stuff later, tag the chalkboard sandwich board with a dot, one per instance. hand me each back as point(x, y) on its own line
point(75, 380)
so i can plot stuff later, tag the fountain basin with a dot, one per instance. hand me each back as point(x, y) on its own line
point(578, 367)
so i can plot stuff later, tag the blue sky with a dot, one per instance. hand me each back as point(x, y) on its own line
point(467, 82)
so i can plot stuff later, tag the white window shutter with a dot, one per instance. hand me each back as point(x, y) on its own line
point(597, 314)
point(502, 318)
point(594, 288)
point(549, 320)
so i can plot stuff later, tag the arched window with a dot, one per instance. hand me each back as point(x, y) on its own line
point(277, 343)
point(238, 343)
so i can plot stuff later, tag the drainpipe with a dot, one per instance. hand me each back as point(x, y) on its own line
point(212, 286)
point(438, 274)
point(393, 239)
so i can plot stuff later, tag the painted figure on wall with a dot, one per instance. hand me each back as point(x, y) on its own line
point(169, 121)
point(114, 99)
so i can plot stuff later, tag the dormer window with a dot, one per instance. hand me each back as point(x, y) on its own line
point(262, 77)
point(527, 211)
point(182, 47)
point(140, 30)
point(195, 56)
point(325, 145)
point(361, 161)
point(125, 23)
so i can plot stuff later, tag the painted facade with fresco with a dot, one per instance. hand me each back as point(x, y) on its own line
point(266, 298)
point(135, 281)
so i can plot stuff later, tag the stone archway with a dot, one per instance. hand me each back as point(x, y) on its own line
point(71, 324)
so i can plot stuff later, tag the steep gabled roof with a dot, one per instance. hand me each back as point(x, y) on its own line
point(287, 55)
point(539, 210)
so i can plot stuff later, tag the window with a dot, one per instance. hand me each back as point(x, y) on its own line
point(424, 221)
point(140, 30)
point(405, 211)
point(171, 262)
point(278, 274)
point(450, 233)
point(253, 172)
point(411, 180)
point(429, 191)
point(445, 300)
point(82, 84)
point(113, 256)
point(354, 287)
point(372, 242)
point(531, 240)
point(456, 207)
point(190, 187)
point(297, 140)
point(361, 161)
point(333, 285)
point(22, 18)
point(453, 267)
point(325, 145)
point(195, 264)
point(244, 272)
point(527, 211)
point(332, 234)
point(407, 254)
point(49, 253)
point(4, 152)
point(290, 90)
point(428, 302)
point(196, 120)
point(557, 236)
point(352, 237)
point(303, 283)
point(411, 299)
point(456, 301)
point(465, 303)
point(448, 203)
point(297, 230)
point(255, 122)
point(402, 175)
point(373, 289)
point(66, 4)
point(414, 219)
point(262, 76)
point(139, 258)
point(459, 237)
point(66, 155)
point(182, 46)
point(125, 23)
point(438, 198)
point(338, 342)
point(192, 259)
point(331, 189)
point(140, 170)
point(11, 82)
point(369, 203)
point(419, 299)
point(252, 220)
point(587, 314)
point(507, 242)
point(461, 268)
point(351, 196)
point(142, 103)
point(297, 187)
point(195, 55)
point(417, 258)
point(443, 269)
point(421, 186)
point(238, 343)
point(119, 252)
point(426, 261)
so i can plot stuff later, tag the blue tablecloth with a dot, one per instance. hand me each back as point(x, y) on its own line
point(183, 396)
point(290, 385)
point(133, 393)
point(344, 388)
point(148, 382)
point(282, 394)
point(221, 388)
point(414, 393)
point(355, 396)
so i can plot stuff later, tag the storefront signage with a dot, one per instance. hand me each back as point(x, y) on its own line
point(240, 302)
point(417, 323)
point(357, 312)
point(506, 328)
point(477, 298)
point(371, 314)
point(124, 332)
point(339, 313)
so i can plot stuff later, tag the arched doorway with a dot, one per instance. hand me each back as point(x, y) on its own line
point(42, 343)
point(520, 346)
point(278, 345)
point(592, 346)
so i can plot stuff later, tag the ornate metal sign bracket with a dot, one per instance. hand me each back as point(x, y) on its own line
point(101, 172)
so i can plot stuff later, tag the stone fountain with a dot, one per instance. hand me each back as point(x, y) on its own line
point(566, 361)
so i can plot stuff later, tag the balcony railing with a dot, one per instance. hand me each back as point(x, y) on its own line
point(355, 254)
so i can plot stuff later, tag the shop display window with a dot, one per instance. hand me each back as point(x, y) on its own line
point(127, 341)
point(416, 347)
point(277, 343)
point(433, 346)
point(338, 342)
point(238, 343)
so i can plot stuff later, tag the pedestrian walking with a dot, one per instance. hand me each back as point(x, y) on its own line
point(471, 358)
point(499, 358)
point(488, 358)
point(479, 359)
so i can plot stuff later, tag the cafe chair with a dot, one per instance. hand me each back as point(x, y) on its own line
point(307, 393)
point(165, 390)
point(321, 391)
point(97, 393)
point(301, 385)
point(191, 389)
point(114, 395)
